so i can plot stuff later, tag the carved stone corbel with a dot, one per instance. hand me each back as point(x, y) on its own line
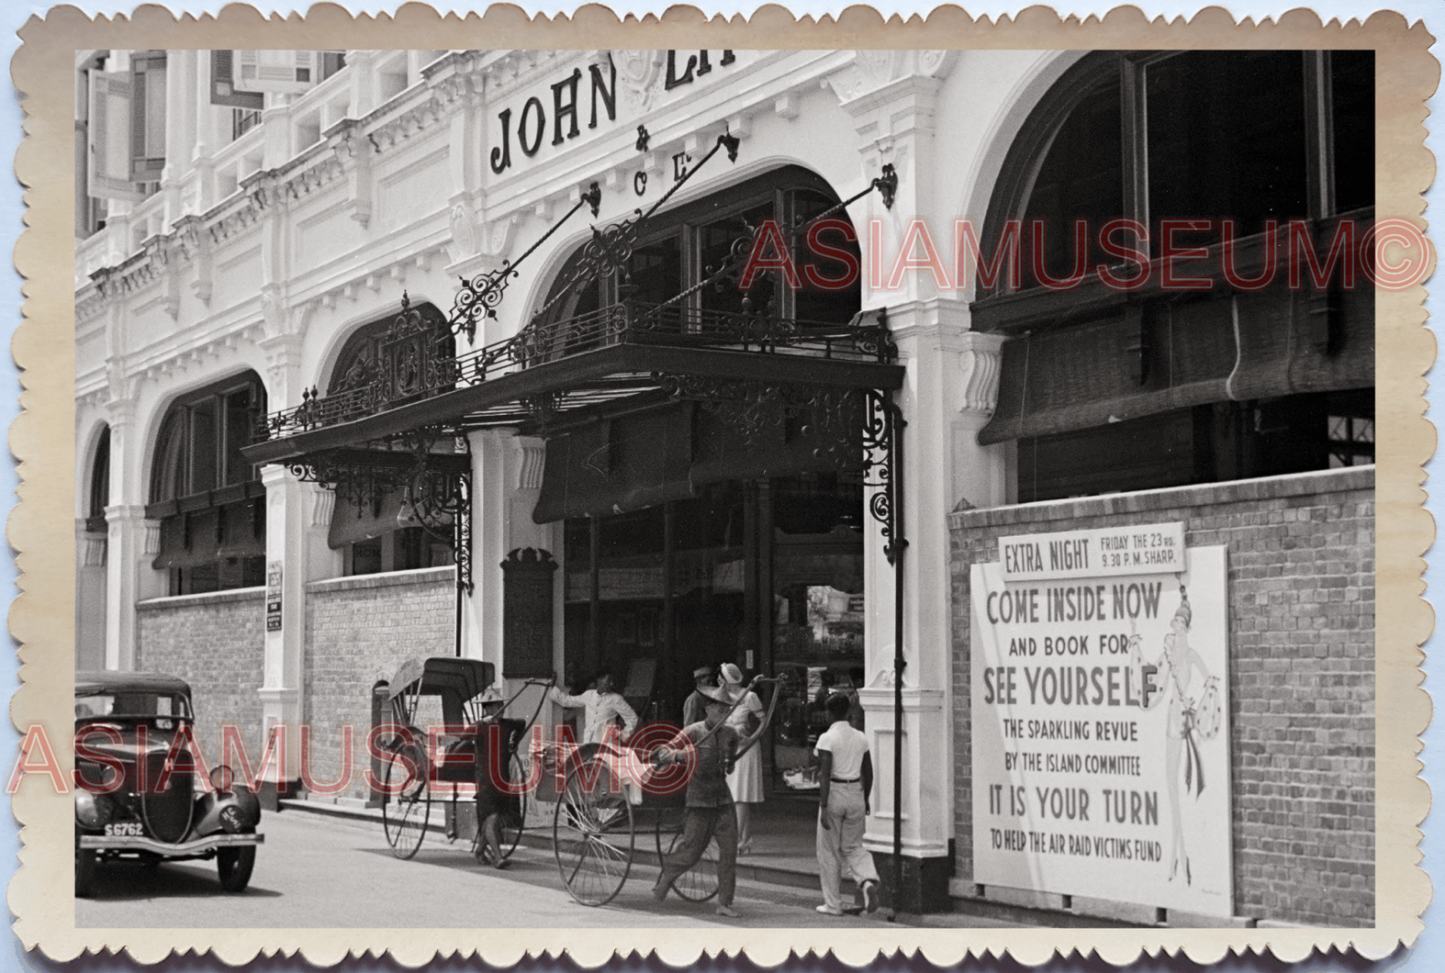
point(354, 151)
point(980, 361)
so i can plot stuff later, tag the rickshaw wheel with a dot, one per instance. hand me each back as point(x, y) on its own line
point(518, 767)
point(699, 883)
point(592, 833)
point(404, 814)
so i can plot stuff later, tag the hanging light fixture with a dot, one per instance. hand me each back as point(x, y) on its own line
point(406, 516)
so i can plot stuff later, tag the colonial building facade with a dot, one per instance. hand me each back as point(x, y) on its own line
point(648, 360)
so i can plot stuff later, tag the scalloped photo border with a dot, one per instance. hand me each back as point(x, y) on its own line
point(41, 527)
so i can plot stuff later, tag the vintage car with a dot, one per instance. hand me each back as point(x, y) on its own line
point(140, 794)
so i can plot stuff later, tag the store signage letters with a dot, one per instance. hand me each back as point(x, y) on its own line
point(1100, 718)
point(531, 122)
point(1153, 549)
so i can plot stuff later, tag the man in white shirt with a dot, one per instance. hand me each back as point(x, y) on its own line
point(601, 707)
point(845, 780)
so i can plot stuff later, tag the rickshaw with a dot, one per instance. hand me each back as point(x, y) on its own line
point(602, 793)
point(417, 772)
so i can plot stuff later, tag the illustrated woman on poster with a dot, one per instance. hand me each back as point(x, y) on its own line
point(1192, 719)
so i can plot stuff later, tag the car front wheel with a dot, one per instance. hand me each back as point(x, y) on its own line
point(84, 870)
point(235, 865)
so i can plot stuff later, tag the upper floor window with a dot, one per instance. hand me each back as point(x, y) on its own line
point(679, 255)
point(126, 125)
point(391, 359)
point(95, 522)
point(209, 501)
point(241, 79)
point(1249, 136)
point(199, 447)
point(1115, 378)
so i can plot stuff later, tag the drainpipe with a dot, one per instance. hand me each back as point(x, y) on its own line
point(895, 415)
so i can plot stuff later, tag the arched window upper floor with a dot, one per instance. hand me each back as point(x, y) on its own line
point(401, 350)
point(1199, 136)
point(98, 489)
point(209, 499)
point(1173, 251)
point(683, 270)
point(392, 360)
point(199, 446)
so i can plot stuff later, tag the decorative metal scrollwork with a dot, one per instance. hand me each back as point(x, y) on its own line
point(853, 427)
point(435, 498)
point(881, 436)
point(480, 297)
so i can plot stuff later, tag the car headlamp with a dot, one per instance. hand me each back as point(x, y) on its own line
point(93, 811)
point(222, 779)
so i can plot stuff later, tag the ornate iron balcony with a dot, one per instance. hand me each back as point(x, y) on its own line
point(417, 364)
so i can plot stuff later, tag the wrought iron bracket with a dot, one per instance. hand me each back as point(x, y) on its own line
point(882, 441)
point(438, 495)
point(480, 296)
point(887, 185)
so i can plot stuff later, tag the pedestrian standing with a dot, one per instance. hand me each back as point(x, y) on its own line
point(602, 707)
point(845, 781)
point(709, 813)
point(696, 703)
point(746, 779)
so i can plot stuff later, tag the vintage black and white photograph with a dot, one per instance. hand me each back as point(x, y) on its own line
point(729, 489)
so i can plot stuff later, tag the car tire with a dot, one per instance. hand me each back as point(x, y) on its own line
point(85, 865)
point(234, 865)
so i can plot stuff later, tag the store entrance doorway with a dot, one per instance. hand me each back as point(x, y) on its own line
point(764, 574)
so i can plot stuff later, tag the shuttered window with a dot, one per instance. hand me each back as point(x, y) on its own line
point(1120, 388)
point(209, 501)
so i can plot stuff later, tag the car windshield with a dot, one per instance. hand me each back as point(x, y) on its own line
point(131, 704)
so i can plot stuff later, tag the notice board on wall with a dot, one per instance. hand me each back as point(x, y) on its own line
point(1100, 715)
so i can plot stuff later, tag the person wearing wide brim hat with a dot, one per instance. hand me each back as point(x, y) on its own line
point(494, 805)
point(709, 814)
point(703, 677)
point(746, 779)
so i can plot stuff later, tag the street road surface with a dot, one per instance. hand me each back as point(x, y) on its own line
point(317, 871)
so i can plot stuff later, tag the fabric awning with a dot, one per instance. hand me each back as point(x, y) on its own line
point(668, 453)
point(1170, 356)
point(201, 537)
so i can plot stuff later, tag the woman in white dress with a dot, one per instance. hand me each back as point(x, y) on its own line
point(746, 779)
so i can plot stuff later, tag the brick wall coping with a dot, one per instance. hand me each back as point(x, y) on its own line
point(387, 579)
point(1198, 495)
point(209, 598)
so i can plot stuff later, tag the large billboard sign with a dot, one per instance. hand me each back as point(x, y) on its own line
point(1101, 718)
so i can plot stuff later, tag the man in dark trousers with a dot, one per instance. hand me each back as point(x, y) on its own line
point(709, 813)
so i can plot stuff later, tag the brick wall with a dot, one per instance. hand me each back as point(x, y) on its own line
point(359, 630)
point(215, 642)
point(1302, 674)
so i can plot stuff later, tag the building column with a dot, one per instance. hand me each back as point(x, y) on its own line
point(132, 541)
point(506, 483)
point(90, 614)
point(289, 507)
point(891, 96)
point(295, 553)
